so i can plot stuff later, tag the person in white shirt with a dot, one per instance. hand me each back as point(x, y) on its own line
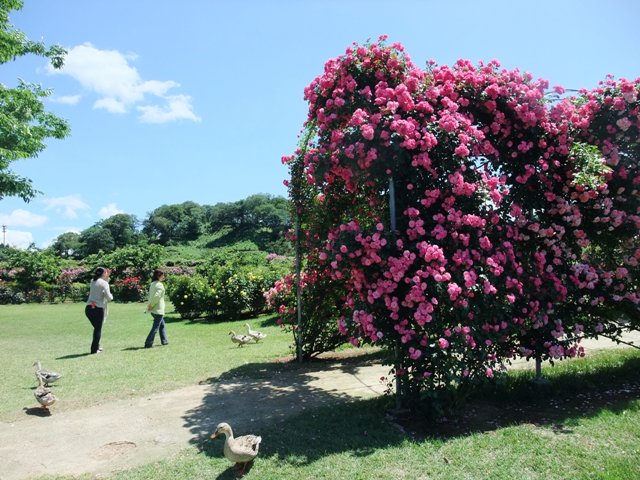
point(96, 308)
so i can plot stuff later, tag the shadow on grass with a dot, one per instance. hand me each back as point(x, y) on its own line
point(261, 320)
point(73, 355)
point(255, 397)
point(301, 422)
point(175, 319)
point(231, 473)
point(310, 433)
point(267, 320)
point(565, 396)
point(256, 322)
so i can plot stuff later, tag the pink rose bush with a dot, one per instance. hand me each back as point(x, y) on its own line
point(462, 214)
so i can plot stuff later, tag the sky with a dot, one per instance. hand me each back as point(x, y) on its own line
point(199, 100)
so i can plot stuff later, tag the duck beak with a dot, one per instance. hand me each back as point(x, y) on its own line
point(214, 435)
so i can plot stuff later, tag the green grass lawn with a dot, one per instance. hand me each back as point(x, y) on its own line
point(60, 335)
point(584, 424)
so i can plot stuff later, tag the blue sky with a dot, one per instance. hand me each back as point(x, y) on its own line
point(199, 100)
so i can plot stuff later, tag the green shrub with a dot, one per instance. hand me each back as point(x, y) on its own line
point(129, 289)
point(239, 288)
point(258, 282)
point(67, 284)
point(227, 288)
point(29, 268)
point(41, 292)
point(129, 261)
point(78, 292)
point(9, 295)
point(190, 296)
point(231, 295)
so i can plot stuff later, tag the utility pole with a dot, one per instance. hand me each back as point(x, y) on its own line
point(4, 235)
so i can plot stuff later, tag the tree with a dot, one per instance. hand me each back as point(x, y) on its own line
point(66, 245)
point(223, 215)
point(133, 261)
point(254, 212)
point(24, 123)
point(260, 218)
point(178, 223)
point(123, 228)
point(267, 211)
point(96, 239)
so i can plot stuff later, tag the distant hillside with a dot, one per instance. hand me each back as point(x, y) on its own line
point(187, 230)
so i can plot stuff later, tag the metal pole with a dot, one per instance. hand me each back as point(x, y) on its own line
point(298, 292)
point(392, 224)
point(392, 206)
point(4, 235)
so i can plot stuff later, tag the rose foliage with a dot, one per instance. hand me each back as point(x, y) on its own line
point(465, 214)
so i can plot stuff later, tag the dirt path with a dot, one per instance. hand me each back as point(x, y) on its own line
point(124, 434)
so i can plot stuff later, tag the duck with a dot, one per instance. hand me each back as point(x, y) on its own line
point(43, 395)
point(257, 336)
point(241, 340)
point(241, 450)
point(46, 375)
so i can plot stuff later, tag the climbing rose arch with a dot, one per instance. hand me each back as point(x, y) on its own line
point(465, 214)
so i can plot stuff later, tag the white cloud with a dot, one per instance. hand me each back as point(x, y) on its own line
point(67, 206)
point(120, 87)
point(109, 211)
point(22, 218)
point(111, 105)
point(67, 99)
point(178, 107)
point(18, 239)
